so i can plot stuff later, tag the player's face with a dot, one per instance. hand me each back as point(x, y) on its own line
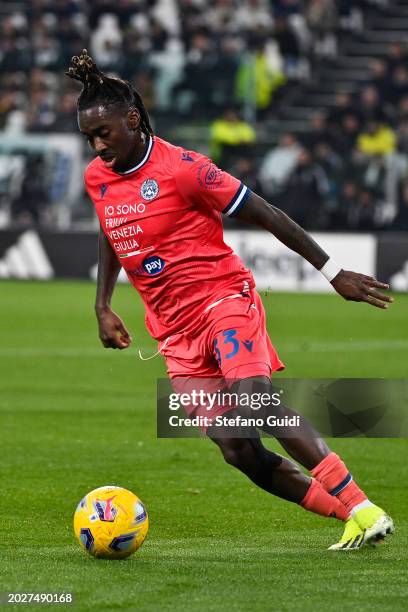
point(114, 135)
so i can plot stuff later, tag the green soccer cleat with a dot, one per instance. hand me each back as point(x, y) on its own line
point(352, 538)
point(375, 523)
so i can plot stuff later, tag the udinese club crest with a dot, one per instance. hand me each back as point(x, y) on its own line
point(149, 189)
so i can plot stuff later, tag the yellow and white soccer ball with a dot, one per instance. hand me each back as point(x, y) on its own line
point(111, 522)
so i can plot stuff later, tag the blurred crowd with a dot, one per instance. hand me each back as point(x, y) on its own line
point(187, 56)
point(337, 173)
point(215, 61)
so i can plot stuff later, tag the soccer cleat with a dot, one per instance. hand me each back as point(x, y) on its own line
point(352, 538)
point(375, 523)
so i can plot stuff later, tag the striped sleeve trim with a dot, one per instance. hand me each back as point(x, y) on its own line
point(237, 201)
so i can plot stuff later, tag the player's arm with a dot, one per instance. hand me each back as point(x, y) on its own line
point(350, 285)
point(112, 330)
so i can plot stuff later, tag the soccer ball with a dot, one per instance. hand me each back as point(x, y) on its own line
point(111, 522)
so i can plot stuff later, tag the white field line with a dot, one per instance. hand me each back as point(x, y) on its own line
point(289, 347)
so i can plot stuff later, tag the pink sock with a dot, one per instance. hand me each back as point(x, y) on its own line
point(337, 480)
point(317, 500)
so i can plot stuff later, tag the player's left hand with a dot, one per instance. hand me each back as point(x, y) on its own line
point(361, 288)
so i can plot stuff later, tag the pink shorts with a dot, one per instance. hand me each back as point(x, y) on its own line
point(229, 341)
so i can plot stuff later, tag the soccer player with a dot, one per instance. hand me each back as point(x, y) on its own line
point(159, 208)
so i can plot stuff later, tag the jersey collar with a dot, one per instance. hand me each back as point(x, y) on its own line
point(143, 161)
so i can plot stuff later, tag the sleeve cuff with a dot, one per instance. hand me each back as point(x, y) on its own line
point(237, 201)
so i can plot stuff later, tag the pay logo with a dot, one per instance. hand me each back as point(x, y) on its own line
point(153, 265)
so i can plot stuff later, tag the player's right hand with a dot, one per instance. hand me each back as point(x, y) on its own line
point(112, 330)
point(361, 288)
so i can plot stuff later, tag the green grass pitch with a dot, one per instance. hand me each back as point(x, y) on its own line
point(75, 416)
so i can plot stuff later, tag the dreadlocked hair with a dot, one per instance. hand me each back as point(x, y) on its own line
point(107, 91)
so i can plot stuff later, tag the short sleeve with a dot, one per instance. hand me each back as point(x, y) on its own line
point(199, 180)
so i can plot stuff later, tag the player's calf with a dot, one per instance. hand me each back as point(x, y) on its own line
point(279, 476)
point(303, 443)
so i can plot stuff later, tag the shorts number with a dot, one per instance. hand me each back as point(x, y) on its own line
point(217, 351)
point(229, 338)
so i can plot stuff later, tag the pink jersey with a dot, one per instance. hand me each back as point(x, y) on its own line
point(163, 220)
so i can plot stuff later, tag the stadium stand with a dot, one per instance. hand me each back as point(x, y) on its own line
point(324, 83)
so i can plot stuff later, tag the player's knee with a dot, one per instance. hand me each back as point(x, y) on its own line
point(234, 451)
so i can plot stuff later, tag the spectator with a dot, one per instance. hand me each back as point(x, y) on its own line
point(362, 215)
point(230, 136)
point(400, 222)
point(15, 53)
point(244, 169)
point(342, 106)
point(309, 179)
point(220, 18)
point(376, 139)
point(7, 105)
point(70, 37)
point(133, 55)
point(379, 78)
point(332, 164)
point(144, 84)
point(227, 66)
point(41, 115)
point(285, 8)
point(278, 165)
point(350, 15)
point(402, 136)
point(345, 203)
point(318, 131)
point(396, 57)
point(321, 17)
point(288, 43)
point(195, 92)
point(158, 36)
point(106, 41)
point(66, 120)
point(402, 109)
point(65, 9)
point(346, 133)
point(46, 51)
point(257, 79)
point(123, 10)
point(33, 196)
point(251, 15)
point(192, 21)
point(369, 105)
point(398, 85)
